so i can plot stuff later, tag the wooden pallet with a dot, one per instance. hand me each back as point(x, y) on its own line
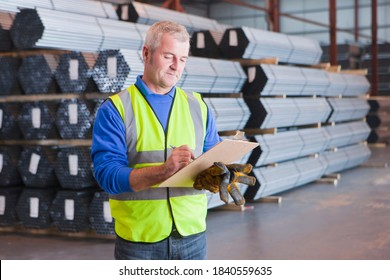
point(52, 231)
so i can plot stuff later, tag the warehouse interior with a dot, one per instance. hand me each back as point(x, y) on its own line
point(309, 81)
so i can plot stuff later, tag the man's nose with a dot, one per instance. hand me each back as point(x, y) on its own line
point(174, 64)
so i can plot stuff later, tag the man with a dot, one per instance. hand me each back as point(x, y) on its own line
point(133, 150)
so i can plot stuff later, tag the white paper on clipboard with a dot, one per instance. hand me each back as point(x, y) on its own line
point(227, 151)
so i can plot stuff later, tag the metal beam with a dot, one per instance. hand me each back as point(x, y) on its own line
point(374, 48)
point(333, 32)
point(173, 5)
point(356, 19)
point(273, 15)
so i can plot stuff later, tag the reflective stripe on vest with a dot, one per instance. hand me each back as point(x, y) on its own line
point(147, 216)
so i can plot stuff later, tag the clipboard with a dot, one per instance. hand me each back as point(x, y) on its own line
point(226, 151)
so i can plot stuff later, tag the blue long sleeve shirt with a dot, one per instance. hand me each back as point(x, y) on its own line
point(109, 151)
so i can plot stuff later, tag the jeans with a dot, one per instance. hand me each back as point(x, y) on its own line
point(175, 247)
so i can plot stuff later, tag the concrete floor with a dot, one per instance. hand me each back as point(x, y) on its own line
point(317, 221)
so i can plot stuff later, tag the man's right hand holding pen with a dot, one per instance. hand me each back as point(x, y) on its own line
point(181, 156)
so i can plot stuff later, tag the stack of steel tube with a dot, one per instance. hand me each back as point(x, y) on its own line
point(99, 214)
point(73, 168)
point(69, 210)
point(252, 43)
point(36, 74)
point(73, 119)
point(36, 166)
point(33, 207)
point(9, 174)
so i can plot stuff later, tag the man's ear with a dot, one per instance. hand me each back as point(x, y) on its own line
point(145, 53)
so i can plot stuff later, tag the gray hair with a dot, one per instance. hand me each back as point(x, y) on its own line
point(155, 32)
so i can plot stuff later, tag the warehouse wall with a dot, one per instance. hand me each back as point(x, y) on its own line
point(235, 15)
point(312, 10)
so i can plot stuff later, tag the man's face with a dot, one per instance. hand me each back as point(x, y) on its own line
point(164, 67)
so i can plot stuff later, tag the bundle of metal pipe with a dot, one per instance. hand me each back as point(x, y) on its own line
point(116, 69)
point(9, 174)
point(311, 110)
point(274, 80)
point(357, 85)
point(5, 40)
point(21, 4)
point(379, 136)
point(98, 9)
point(378, 119)
point(345, 157)
point(36, 74)
point(304, 50)
point(73, 168)
point(8, 74)
point(285, 112)
point(230, 76)
point(206, 42)
point(37, 120)
point(99, 214)
point(69, 210)
point(207, 75)
point(344, 84)
point(9, 113)
point(276, 147)
point(303, 142)
point(337, 85)
point(8, 7)
point(198, 75)
point(359, 131)
point(204, 45)
point(74, 71)
point(315, 140)
point(290, 145)
point(6, 19)
point(9, 197)
point(33, 207)
point(252, 43)
point(310, 169)
point(120, 34)
point(230, 113)
point(284, 176)
point(36, 166)
point(73, 119)
point(276, 179)
point(84, 7)
point(346, 109)
point(43, 28)
point(149, 14)
point(316, 81)
point(356, 154)
point(349, 133)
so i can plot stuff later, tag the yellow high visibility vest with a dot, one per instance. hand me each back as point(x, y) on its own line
point(148, 216)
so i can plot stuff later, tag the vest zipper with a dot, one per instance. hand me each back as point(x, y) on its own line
point(165, 158)
point(166, 147)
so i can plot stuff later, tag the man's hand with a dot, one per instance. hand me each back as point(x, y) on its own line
point(223, 179)
point(179, 158)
